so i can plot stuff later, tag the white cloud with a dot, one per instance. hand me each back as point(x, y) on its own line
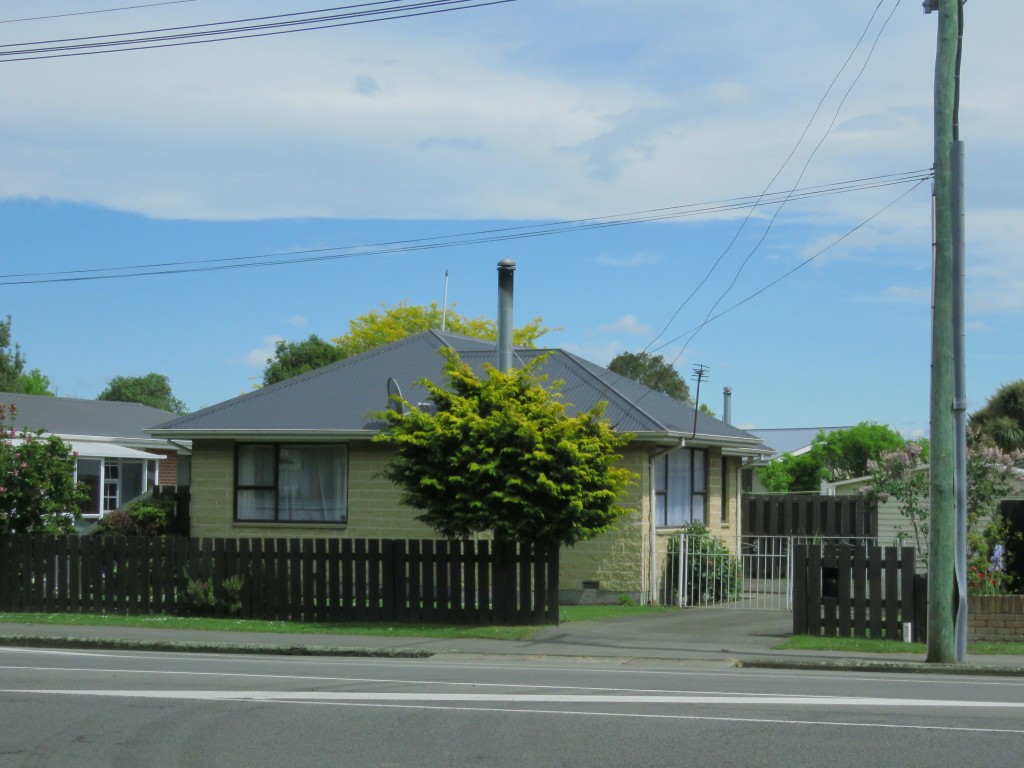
point(257, 357)
point(898, 294)
point(334, 123)
point(634, 260)
point(298, 321)
point(627, 324)
point(596, 352)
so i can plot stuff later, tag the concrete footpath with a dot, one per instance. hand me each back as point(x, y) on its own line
point(729, 636)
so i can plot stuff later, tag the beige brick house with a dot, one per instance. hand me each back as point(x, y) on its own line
point(296, 459)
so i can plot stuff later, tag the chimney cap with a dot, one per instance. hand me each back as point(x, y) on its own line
point(506, 265)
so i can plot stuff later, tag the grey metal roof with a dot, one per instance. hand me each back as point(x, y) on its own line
point(342, 397)
point(72, 416)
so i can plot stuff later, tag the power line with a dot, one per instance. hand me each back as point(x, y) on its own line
point(238, 29)
point(798, 267)
point(782, 167)
point(609, 381)
point(455, 240)
point(803, 170)
point(100, 10)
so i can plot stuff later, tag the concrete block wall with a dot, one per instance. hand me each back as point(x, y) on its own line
point(616, 563)
point(995, 618)
point(374, 509)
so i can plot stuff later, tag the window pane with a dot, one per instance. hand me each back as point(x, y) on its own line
point(89, 476)
point(659, 474)
point(131, 480)
point(678, 487)
point(311, 483)
point(255, 505)
point(698, 472)
point(256, 465)
point(697, 512)
point(659, 510)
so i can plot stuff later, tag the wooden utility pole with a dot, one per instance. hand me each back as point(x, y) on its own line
point(942, 525)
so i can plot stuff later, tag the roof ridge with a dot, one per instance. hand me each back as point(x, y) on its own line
point(579, 363)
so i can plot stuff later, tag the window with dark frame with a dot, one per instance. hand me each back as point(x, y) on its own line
point(680, 488)
point(291, 483)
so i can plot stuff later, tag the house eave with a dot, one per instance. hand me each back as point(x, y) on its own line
point(277, 435)
point(731, 446)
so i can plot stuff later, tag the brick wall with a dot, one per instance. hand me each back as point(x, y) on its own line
point(168, 467)
point(995, 618)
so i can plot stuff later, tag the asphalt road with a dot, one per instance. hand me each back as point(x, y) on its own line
point(110, 709)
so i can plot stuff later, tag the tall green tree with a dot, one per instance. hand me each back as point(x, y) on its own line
point(384, 326)
point(294, 357)
point(13, 376)
point(1001, 421)
point(376, 328)
point(838, 455)
point(12, 361)
point(652, 371)
point(498, 454)
point(153, 389)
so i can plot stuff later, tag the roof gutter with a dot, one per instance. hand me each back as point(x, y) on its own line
point(317, 435)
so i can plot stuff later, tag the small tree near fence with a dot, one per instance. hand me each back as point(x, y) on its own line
point(500, 454)
point(904, 477)
point(38, 492)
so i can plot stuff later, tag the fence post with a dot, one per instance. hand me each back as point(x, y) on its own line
point(798, 587)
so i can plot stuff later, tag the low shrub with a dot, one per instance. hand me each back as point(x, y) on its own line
point(140, 518)
point(714, 573)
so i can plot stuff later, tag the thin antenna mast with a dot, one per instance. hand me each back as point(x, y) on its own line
point(700, 372)
point(444, 304)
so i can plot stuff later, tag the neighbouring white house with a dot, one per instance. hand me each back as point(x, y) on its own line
point(116, 458)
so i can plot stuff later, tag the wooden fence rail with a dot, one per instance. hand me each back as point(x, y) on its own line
point(286, 579)
point(844, 591)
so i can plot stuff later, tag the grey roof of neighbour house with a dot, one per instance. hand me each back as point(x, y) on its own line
point(791, 440)
point(87, 418)
point(341, 398)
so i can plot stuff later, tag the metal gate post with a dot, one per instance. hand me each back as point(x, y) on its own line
point(683, 594)
point(789, 573)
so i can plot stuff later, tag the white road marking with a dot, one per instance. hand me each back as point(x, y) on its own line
point(357, 700)
point(528, 698)
point(935, 679)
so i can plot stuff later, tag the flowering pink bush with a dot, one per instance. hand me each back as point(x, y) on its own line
point(37, 485)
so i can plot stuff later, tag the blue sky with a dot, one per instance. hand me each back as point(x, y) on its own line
point(517, 114)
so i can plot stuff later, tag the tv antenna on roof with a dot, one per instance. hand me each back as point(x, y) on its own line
point(395, 401)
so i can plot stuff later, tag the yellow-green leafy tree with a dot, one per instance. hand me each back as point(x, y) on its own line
point(499, 454)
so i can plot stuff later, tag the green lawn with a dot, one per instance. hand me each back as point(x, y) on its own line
point(857, 645)
point(567, 614)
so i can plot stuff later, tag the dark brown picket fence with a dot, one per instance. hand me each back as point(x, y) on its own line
point(480, 582)
point(809, 515)
point(855, 591)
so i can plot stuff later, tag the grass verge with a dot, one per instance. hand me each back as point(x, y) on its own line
point(859, 645)
point(568, 613)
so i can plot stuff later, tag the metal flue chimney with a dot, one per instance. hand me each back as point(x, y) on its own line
point(505, 269)
point(727, 405)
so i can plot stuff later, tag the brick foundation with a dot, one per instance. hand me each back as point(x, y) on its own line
point(995, 618)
